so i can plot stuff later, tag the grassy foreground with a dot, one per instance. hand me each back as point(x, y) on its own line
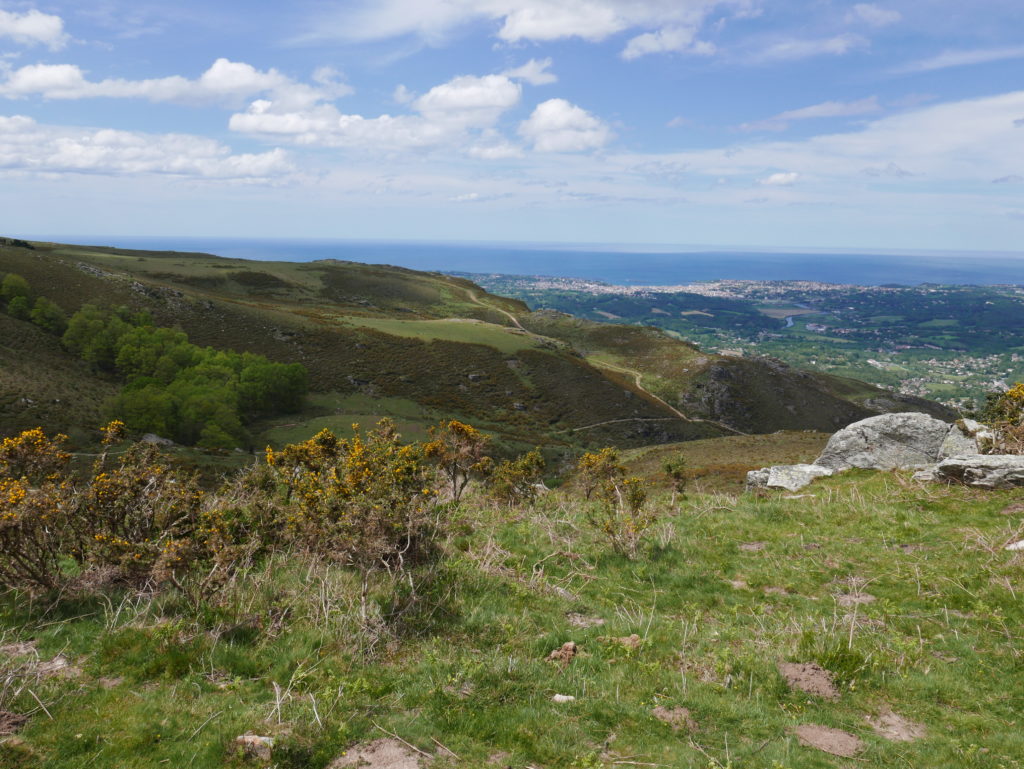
point(903, 592)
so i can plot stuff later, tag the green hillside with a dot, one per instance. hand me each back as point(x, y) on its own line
point(374, 336)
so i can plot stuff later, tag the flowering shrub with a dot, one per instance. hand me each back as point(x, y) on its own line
point(33, 456)
point(36, 532)
point(367, 500)
point(459, 451)
point(515, 481)
point(595, 469)
point(620, 510)
point(1005, 412)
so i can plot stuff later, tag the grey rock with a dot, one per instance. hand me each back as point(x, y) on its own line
point(156, 440)
point(984, 471)
point(967, 437)
point(886, 442)
point(789, 477)
point(255, 746)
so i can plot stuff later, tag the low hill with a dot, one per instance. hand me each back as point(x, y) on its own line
point(418, 346)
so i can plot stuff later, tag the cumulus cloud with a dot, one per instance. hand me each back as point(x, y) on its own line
point(557, 125)
point(225, 81)
point(948, 59)
point(28, 146)
point(826, 109)
point(669, 39)
point(33, 28)
point(534, 72)
point(874, 15)
point(445, 115)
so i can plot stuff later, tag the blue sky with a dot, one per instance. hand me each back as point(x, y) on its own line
point(774, 123)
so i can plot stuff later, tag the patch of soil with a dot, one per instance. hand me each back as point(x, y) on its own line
point(11, 723)
point(776, 591)
point(58, 667)
point(583, 621)
point(854, 599)
point(564, 655)
point(111, 683)
point(753, 547)
point(676, 718)
point(1017, 508)
point(386, 753)
point(834, 741)
point(809, 678)
point(630, 641)
point(18, 650)
point(895, 727)
point(738, 584)
point(501, 758)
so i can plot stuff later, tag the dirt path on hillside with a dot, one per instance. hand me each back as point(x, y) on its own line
point(637, 377)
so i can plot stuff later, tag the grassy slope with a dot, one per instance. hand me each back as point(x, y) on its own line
point(729, 588)
point(447, 345)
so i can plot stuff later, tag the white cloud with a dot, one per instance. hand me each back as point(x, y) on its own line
point(792, 50)
point(27, 146)
point(402, 95)
point(225, 81)
point(948, 59)
point(781, 179)
point(826, 109)
point(520, 20)
point(450, 114)
point(872, 14)
point(534, 72)
point(33, 27)
point(668, 39)
point(556, 125)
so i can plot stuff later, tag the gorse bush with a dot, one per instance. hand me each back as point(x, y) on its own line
point(1005, 413)
point(516, 481)
point(460, 453)
point(368, 500)
point(619, 508)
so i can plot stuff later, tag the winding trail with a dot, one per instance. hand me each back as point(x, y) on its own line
point(637, 377)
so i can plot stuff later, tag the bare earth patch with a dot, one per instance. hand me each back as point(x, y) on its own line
point(753, 547)
point(629, 641)
point(854, 599)
point(564, 655)
point(11, 723)
point(583, 621)
point(809, 678)
point(18, 650)
point(1017, 508)
point(834, 741)
point(895, 727)
point(386, 753)
point(676, 717)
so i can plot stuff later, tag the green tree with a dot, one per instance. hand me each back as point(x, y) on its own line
point(94, 333)
point(49, 316)
point(19, 308)
point(14, 286)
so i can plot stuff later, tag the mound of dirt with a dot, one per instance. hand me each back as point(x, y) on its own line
point(386, 753)
point(834, 741)
point(564, 655)
point(676, 717)
point(895, 727)
point(810, 678)
point(854, 599)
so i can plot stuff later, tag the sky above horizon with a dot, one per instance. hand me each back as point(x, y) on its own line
point(761, 123)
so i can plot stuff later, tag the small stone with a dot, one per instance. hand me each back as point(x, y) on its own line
point(562, 698)
point(255, 746)
point(1016, 545)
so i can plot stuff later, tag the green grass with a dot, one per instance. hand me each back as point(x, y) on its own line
point(939, 644)
point(464, 330)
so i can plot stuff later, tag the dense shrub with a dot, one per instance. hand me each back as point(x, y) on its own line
point(619, 509)
point(516, 481)
point(1005, 413)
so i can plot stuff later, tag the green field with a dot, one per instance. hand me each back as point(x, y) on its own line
point(463, 330)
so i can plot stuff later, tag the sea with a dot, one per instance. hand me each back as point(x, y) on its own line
point(618, 265)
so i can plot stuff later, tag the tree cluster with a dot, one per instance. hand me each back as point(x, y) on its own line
point(195, 395)
point(20, 302)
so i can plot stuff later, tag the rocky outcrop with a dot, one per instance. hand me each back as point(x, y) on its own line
point(886, 442)
point(789, 477)
point(986, 471)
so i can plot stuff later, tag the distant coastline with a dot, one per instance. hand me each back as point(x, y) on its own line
point(627, 266)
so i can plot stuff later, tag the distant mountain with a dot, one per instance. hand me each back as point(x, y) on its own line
point(418, 346)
